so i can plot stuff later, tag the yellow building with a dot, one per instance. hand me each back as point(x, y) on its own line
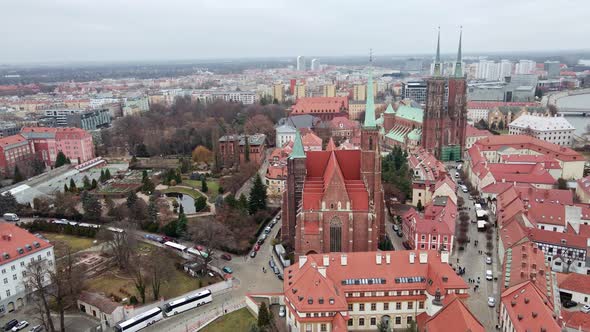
point(278, 93)
point(329, 90)
point(359, 92)
point(299, 91)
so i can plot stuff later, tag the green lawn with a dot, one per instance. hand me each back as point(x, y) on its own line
point(76, 243)
point(212, 186)
point(239, 320)
point(193, 193)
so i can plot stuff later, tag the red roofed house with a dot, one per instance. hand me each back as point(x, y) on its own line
point(525, 307)
point(364, 289)
point(576, 320)
point(426, 171)
point(575, 287)
point(342, 127)
point(18, 249)
point(473, 134)
point(566, 252)
point(14, 151)
point(326, 108)
point(454, 316)
point(583, 189)
point(311, 141)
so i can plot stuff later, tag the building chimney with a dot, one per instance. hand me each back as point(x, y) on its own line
point(326, 260)
point(444, 257)
point(322, 270)
point(343, 260)
point(412, 257)
point(302, 260)
point(388, 258)
point(378, 258)
point(423, 257)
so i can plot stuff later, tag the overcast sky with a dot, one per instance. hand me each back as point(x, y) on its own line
point(106, 30)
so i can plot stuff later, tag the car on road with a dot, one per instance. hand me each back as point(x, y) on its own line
point(256, 247)
point(260, 241)
point(282, 311)
point(263, 237)
point(585, 309)
point(280, 276)
point(226, 257)
point(227, 269)
point(488, 260)
point(395, 228)
point(407, 245)
point(399, 233)
point(276, 270)
point(267, 230)
point(12, 323)
point(489, 275)
point(569, 304)
point(37, 328)
point(456, 174)
point(491, 301)
point(271, 263)
point(20, 325)
point(278, 216)
point(253, 254)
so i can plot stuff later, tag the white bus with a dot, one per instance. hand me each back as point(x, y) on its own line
point(175, 246)
point(187, 303)
point(140, 321)
point(197, 252)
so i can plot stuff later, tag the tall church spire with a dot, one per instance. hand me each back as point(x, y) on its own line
point(437, 72)
point(370, 105)
point(459, 64)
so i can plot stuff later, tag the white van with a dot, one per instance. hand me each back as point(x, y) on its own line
point(489, 275)
point(11, 217)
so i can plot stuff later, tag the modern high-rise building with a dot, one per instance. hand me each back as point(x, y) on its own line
point(299, 91)
point(415, 91)
point(301, 63)
point(505, 69)
point(329, 90)
point(278, 92)
point(525, 67)
point(552, 68)
point(315, 64)
point(444, 123)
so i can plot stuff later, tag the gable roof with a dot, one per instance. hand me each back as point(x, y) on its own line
point(455, 316)
point(528, 308)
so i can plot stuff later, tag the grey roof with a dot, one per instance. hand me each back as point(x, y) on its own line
point(300, 121)
point(32, 135)
point(286, 128)
point(440, 200)
point(254, 139)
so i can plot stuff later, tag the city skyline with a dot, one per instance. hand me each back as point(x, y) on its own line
point(66, 31)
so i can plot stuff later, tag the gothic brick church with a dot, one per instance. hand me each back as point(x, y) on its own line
point(333, 199)
point(445, 117)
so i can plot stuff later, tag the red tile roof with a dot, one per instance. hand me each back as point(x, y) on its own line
point(471, 131)
point(318, 105)
point(529, 309)
point(494, 143)
point(576, 282)
point(454, 316)
point(576, 320)
point(11, 140)
point(12, 238)
point(341, 122)
point(584, 184)
point(513, 232)
point(562, 239)
point(534, 195)
point(521, 173)
point(311, 140)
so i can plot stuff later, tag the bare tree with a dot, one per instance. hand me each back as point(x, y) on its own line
point(38, 280)
point(160, 269)
point(211, 234)
point(140, 275)
point(120, 244)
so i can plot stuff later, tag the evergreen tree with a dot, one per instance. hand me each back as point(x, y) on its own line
point(66, 188)
point(61, 159)
point(257, 196)
point(86, 182)
point(419, 206)
point(94, 184)
point(263, 317)
point(144, 175)
point(170, 228)
point(232, 202)
point(91, 205)
point(73, 187)
point(152, 211)
point(18, 177)
point(38, 166)
point(8, 203)
point(200, 203)
point(148, 186)
point(242, 202)
point(107, 174)
point(181, 209)
point(204, 187)
point(181, 225)
point(102, 177)
point(131, 199)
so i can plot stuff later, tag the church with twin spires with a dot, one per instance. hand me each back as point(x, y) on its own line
point(333, 199)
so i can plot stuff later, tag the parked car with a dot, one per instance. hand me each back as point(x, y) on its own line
point(266, 229)
point(399, 233)
point(278, 216)
point(491, 301)
point(12, 323)
point(276, 270)
point(226, 257)
point(282, 311)
point(456, 174)
point(585, 309)
point(488, 260)
point(407, 245)
point(227, 269)
point(489, 275)
point(273, 223)
point(263, 237)
point(20, 326)
point(395, 227)
point(569, 304)
point(280, 276)
point(37, 328)
point(271, 263)
point(253, 254)
point(256, 247)
point(260, 241)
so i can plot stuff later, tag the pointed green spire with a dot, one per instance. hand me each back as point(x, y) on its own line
point(298, 151)
point(370, 106)
point(437, 58)
point(389, 110)
point(459, 65)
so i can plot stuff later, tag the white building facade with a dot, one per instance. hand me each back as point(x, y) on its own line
point(556, 130)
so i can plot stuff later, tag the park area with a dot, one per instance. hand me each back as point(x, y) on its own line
point(120, 284)
point(240, 320)
point(212, 185)
point(76, 243)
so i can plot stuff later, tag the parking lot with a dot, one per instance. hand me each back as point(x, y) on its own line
point(73, 321)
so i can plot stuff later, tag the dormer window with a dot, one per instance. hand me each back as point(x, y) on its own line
point(321, 300)
point(309, 300)
point(20, 250)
